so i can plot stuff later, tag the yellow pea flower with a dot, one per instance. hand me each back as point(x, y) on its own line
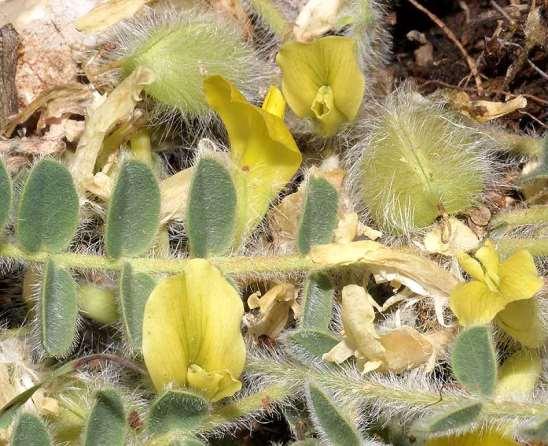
point(262, 149)
point(496, 284)
point(322, 81)
point(191, 332)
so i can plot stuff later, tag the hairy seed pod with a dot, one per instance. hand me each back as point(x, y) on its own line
point(182, 48)
point(418, 162)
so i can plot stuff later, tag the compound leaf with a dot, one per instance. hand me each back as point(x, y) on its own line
point(176, 411)
point(134, 291)
point(332, 425)
point(30, 431)
point(5, 194)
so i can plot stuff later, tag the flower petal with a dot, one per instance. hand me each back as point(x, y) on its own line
point(471, 266)
point(473, 303)
point(322, 80)
point(522, 320)
point(518, 376)
point(518, 277)
point(489, 258)
point(358, 317)
point(215, 385)
point(262, 148)
point(192, 318)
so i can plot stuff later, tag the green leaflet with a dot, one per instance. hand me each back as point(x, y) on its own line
point(48, 212)
point(319, 217)
point(538, 429)
point(5, 194)
point(106, 425)
point(30, 431)
point(310, 345)
point(313, 338)
point(176, 411)
point(134, 211)
point(211, 209)
point(334, 427)
point(473, 360)
point(134, 291)
point(449, 420)
point(318, 302)
point(58, 309)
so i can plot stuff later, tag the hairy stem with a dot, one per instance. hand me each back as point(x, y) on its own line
point(229, 265)
point(538, 247)
point(534, 215)
point(351, 386)
point(260, 402)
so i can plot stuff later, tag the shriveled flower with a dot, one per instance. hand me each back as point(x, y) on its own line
point(191, 332)
point(322, 81)
point(397, 350)
point(262, 149)
point(495, 284)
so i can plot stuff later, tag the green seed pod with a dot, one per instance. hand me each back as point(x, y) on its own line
point(417, 163)
point(98, 304)
point(182, 49)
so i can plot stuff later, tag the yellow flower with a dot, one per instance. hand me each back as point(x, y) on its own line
point(262, 149)
point(496, 284)
point(191, 332)
point(322, 81)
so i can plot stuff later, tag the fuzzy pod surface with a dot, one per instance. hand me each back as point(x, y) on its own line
point(418, 162)
point(182, 49)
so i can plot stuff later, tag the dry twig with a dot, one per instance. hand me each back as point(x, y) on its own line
point(451, 35)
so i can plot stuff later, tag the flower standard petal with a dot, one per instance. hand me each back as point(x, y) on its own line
point(164, 352)
point(192, 323)
point(322, 81)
